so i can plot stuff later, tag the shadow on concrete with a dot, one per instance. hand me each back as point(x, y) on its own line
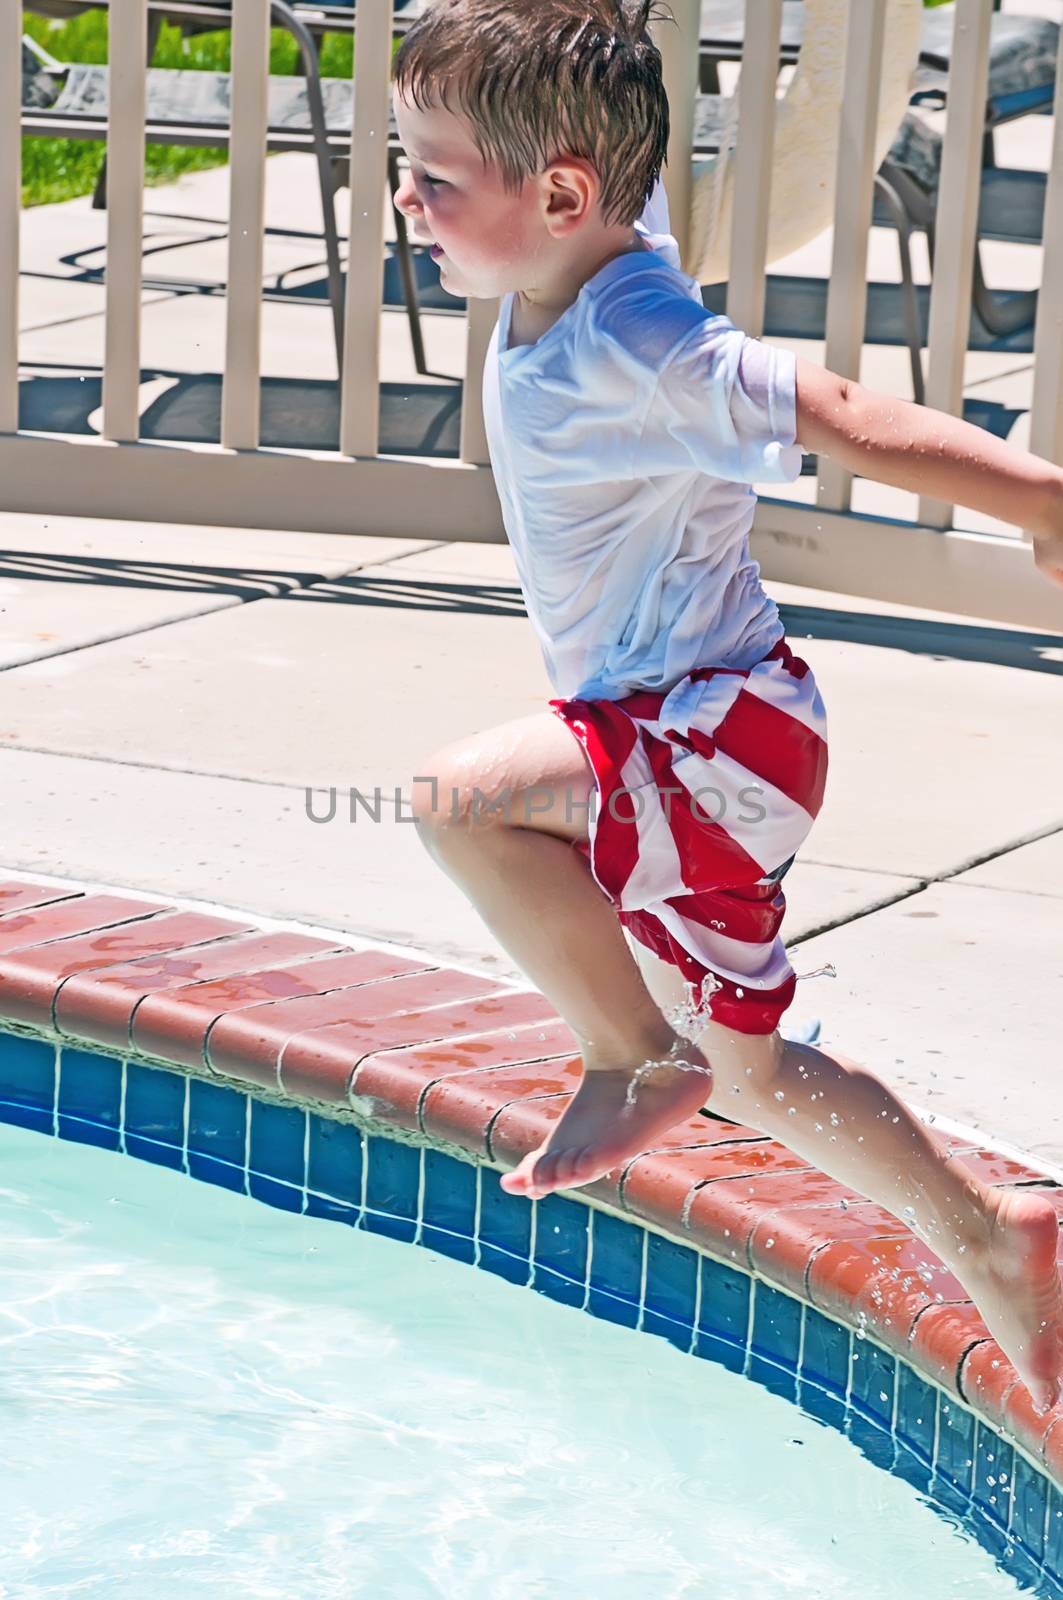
point(422, 419)
point(942, 641)
point(945, 641)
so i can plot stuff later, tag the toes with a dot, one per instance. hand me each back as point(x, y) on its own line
point(1045, 1395)
point(519, 1180)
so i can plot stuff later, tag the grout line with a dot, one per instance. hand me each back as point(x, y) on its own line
point(121, 1111)
point(1046, 832)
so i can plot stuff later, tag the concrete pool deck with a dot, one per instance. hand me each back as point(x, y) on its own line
point(169, 693)
point(175, 758)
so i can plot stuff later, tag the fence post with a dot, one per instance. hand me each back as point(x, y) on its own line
point(1046, 407)
point(10, 206)
point(678, 44)
point(127, 50)
point(241, 392)
point(360, 383)
point(959, 194)
point(853, 207)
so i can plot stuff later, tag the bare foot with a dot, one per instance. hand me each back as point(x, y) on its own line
point(1014, 1281)
point(600, 1128)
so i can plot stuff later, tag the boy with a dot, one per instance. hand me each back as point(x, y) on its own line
point(626, 425)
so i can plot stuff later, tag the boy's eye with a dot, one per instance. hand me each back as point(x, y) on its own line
point(434, 181)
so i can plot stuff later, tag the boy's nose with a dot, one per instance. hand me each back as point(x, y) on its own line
point(406, 196)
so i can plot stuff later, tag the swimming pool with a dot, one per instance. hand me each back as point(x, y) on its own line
point(207, 1396)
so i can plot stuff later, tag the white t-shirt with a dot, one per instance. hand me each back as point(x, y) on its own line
point(624, 444)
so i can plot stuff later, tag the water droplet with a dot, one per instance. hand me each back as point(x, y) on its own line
point(769, 1244)
point(780, 1094)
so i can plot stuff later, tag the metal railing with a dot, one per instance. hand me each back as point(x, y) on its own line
point(240, 482)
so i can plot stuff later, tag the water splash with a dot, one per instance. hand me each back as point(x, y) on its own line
point(689, 1015)
point(829, 971)
point(672, 1060)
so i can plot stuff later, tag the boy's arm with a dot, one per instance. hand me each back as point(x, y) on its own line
point(929, 452)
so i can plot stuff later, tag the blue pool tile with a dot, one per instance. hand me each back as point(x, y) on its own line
point(285, 1196)
point(505, 1219)
point(155, 1107)
point(724, 1302)
point(912, 1469)
point(334, 1162)
point(1018, 1564)
point(160, 1155)
point(825, 1357)
point(393, 1177)
point(611, 1308)
point(217, 1122)
point(94, 1133)
point(677, 1333)
point(278, 1136)
point(779, 1380)
point(671, 1280)
point(456, 1245)
point(616, 1260)
point(955, 1457)
point(776, 1325)
point(873, 1441)
point(449, 1200)
point(874, 1380)
point(946, 1494)
point(403, 1228)
point(916, 1411)
point(827, 1408)
point(318, 1205)
point(988, 1533)
point(1028, 1513)
point(90, 1098)
point(27, 1082)
point(561, 1229)
point(1053, 1553)
point(515, 1269)
point(724, 1351)
point(994, 1466)
point(222, 1173)
point(555, 1285)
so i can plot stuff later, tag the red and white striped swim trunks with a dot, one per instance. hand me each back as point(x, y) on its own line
point(705, 793)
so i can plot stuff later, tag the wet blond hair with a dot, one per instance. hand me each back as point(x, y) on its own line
point(538, 79)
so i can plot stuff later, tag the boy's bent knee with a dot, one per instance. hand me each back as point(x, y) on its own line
point(445, 797)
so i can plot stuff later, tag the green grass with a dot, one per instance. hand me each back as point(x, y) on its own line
point(60, 169)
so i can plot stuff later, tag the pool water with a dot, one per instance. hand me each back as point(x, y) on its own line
point(202, 1396)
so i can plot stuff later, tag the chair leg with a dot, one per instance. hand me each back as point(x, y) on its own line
point(909, 294)
point(1001, 317)
point(406, 270)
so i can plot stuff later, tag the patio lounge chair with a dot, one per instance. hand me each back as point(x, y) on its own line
point(309, 113)
point(1022, 70)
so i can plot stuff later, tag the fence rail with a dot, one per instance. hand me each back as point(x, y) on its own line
point(240, 482)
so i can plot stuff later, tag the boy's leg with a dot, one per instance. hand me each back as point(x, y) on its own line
point(500, 821)
point(1000, 1243)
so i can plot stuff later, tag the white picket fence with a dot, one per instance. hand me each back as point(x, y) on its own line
point(356, 489)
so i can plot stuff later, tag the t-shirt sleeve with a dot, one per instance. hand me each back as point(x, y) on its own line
point(725, 404)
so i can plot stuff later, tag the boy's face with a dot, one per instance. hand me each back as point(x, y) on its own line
point(486, 240)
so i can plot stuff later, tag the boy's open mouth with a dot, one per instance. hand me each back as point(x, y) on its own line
point(435, 252)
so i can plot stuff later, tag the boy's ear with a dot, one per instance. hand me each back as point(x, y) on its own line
point(570, 188)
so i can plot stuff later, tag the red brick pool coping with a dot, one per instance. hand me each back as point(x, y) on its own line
point(458, 1059)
